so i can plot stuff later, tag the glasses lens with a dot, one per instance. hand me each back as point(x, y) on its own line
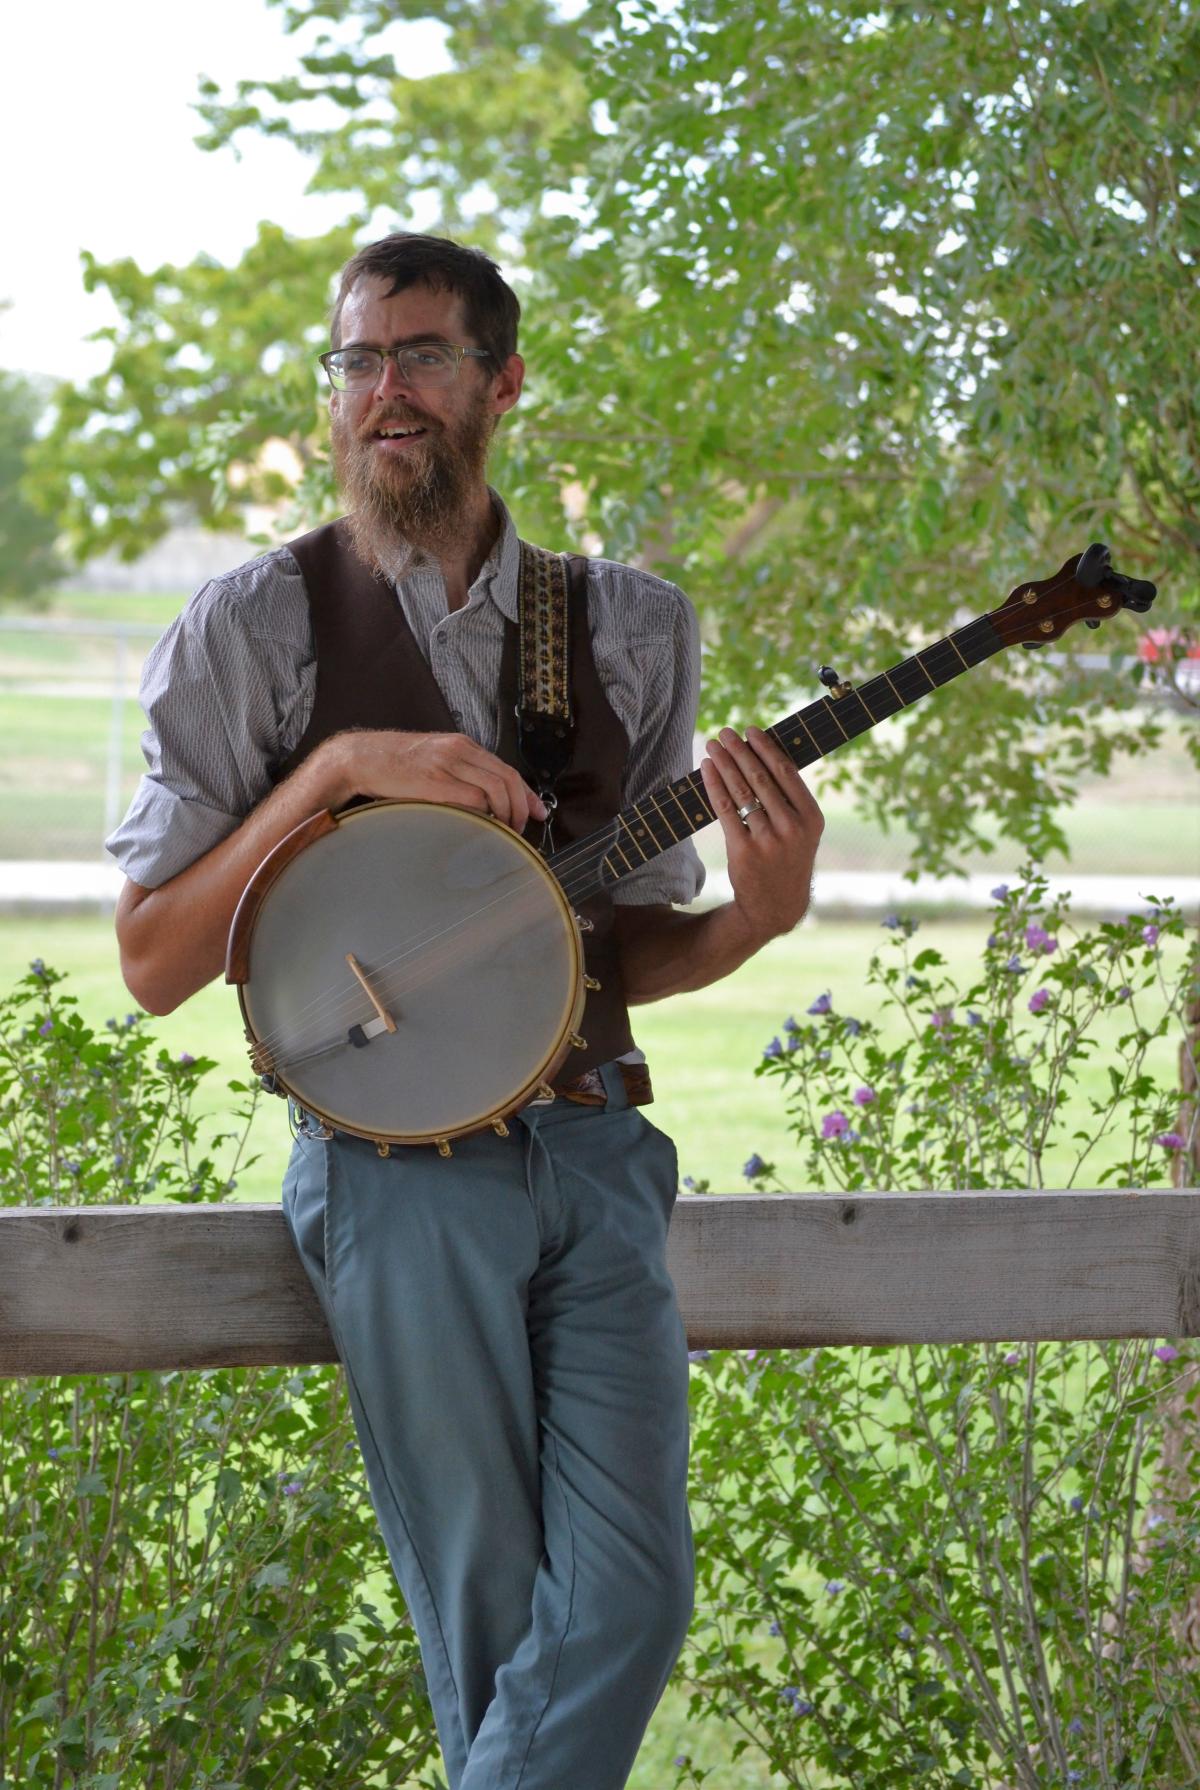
point(428, 363)
point(350, 368)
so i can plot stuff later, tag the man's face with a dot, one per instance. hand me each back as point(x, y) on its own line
point(415, 490)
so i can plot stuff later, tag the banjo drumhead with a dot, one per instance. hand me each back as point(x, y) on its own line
point(463, 935)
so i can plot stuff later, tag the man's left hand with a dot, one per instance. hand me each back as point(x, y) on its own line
point(771, 853)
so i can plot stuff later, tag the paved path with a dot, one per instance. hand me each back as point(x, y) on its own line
point(40, 886)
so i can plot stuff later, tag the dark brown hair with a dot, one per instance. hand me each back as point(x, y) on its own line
point(490, 307)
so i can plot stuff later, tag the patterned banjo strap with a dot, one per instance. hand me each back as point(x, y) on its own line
point(545, 724)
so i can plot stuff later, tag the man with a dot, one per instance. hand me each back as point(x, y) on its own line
point(514, 1356)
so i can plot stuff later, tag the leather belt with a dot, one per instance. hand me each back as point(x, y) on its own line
point(588, 1089)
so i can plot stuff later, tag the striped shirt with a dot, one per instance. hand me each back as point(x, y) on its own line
point(228, 691)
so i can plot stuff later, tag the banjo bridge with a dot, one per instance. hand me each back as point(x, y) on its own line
point(386, 1022)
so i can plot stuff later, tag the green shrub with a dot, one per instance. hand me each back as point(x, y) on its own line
point(182, 1555)
point(951, 1565)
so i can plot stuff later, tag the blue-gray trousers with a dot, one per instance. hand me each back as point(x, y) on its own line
point(517, 1370)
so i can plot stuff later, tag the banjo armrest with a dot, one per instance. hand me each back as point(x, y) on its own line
point(237, 952)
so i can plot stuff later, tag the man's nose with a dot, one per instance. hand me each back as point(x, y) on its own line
point(392, 381)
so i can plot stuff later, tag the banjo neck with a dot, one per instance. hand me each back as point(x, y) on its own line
point(1086, 588)
point(644, 829)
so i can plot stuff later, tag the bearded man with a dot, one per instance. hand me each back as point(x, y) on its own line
point(514, 1355)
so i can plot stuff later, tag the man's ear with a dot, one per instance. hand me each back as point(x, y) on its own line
point(509, 381)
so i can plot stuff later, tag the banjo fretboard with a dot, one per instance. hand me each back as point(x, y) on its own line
point(646, 828)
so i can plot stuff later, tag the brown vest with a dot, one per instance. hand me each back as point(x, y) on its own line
point(371, 673)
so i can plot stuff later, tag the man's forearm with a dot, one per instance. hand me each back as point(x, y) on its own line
point(665, 952)
point(173, 939)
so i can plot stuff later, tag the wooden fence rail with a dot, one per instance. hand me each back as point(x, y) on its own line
point(113, 1289)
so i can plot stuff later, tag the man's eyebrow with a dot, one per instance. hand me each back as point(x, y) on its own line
point(426, 335)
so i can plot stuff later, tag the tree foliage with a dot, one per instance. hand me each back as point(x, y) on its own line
point(848, 318)
point(29, 564)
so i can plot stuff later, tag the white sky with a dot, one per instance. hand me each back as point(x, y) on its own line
point(96, 137)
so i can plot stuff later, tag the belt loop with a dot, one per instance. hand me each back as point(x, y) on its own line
point(614, 1086)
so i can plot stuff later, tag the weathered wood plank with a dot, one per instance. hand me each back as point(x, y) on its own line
point(113, 1289)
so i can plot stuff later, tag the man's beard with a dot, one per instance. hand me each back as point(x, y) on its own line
point(398, 514)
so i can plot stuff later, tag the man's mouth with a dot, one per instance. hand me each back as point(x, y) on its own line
point(397, 432)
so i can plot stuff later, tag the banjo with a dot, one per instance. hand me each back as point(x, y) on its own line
point(382, 955)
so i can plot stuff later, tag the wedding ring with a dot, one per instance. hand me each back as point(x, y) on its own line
point(748, 808)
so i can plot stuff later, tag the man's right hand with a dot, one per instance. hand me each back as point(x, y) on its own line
point(433, 767)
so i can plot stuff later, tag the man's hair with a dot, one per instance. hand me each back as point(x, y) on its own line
point(490, 307)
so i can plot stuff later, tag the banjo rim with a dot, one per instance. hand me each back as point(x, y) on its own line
point(256, 893)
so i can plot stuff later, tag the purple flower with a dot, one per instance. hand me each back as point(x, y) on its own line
point(1012, 1358)
point(1077, 1503)
point(698, 1354)
point(942, 1019)
point(185, 1057)
point(775, 1629)
point(755, 1168)
point(863, 1096)
point(774, 1049)
point(834, 1586)
point(680, 1759)
point(1015, 965)
point(1074, 1726)
point(834, 1124)
point(993, 940)
point(45, 1029)
point(1000, 891)
point(1171, 1140)
point(689, 1180)
point(853, 1026)
point(975, 1019)
point(1039, 999)
point(1125, 994)
point(891, 921)
point(53, 1453)
point(789, 1025)
point(1150, 935)
point(38, 967)
point(1167, 1352)
point(1038, 939)
point(292, 1487)
point(822, 1004)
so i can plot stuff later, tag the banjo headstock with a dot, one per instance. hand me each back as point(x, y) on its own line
point(1085, 589)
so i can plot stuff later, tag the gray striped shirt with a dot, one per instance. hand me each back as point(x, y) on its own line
point(228, 691)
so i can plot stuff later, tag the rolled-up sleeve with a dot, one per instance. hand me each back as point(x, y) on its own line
point(663, 746)
point(213, 733)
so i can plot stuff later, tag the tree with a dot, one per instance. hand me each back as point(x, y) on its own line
point(847, 317)
point(29, 562)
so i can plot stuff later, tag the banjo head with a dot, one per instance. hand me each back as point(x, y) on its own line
point(461, 935)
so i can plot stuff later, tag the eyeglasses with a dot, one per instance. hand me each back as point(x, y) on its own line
point(420, 363)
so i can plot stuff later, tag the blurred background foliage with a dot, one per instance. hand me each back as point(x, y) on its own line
point(847, 318)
